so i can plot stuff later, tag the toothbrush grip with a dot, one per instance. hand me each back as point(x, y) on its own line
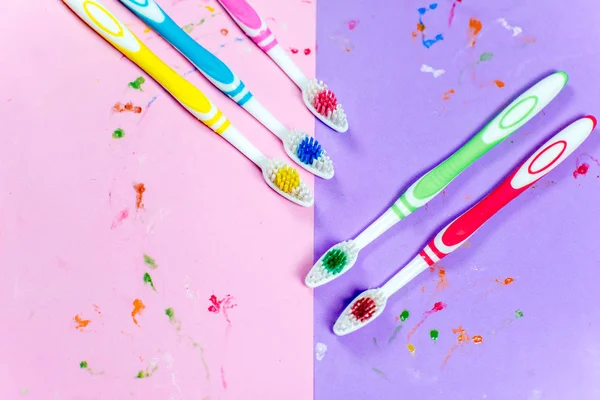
point(540, 163)
point(515, 115)
point(248, 19)
point(207, 63)
point(117, 34)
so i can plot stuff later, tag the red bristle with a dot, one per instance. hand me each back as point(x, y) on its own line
point(364, 309)
point(325, 102)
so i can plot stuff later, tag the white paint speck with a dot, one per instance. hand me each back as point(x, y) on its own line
point(435, 72)
point(536, 394)
point(320, 350)
point(516, 30)
point(188, 291)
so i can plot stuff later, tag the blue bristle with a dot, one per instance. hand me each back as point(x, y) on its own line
point(309, 150)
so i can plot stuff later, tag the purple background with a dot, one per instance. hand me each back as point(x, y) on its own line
point(547, 239)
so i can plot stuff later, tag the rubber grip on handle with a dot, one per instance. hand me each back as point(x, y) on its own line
point(515, 115)
point(245, 15)
point(210, 65)
point(540, 163)
point(116, 33)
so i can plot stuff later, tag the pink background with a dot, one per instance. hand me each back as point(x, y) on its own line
point(209, 220)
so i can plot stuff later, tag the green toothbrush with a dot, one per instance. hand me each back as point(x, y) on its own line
point(342, 256)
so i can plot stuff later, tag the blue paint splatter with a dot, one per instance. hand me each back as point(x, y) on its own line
point(427, 43)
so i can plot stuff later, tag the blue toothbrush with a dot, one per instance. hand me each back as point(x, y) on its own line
point(299, 146)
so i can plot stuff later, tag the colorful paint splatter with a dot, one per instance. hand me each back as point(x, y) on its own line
point(139, 188)
point(137, 83)
point(118, 133)
point(81, 323)
point(221, 306)
point(138, 307)
point(118, 220)
point(427, 43)
point(150, 262)
point(475, 27)
point(118, 107)
point(437, 307)
point(434, 334)
point(148, 281)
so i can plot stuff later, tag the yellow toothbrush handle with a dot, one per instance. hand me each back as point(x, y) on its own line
point(116, 33)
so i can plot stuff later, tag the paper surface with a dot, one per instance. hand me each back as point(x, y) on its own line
point(520, 320)
point(73, 242)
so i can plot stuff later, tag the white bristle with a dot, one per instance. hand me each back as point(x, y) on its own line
point(347, 323)
point(301, 193)
point(338, 116)
point(323, 163)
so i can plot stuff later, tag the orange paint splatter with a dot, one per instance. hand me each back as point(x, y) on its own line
point(422, 289)
point(463, 338)
point(224, 32)
point(146, 29)
point(421, 27)
point(414, 34)
point(139, 188)
point(447, 95)
point(527, 39)
point(475, 26)
point(506, 281)
point(499, 83)
point(81, 323)
point(138, 306)
point(118, 107)
point(477, 339)
point(442, 280)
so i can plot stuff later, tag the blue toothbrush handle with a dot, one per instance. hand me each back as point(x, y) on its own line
point(207, 63)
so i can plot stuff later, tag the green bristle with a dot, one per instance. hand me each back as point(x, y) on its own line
point(335, 260)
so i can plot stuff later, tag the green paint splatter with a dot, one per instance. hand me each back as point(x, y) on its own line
point(335, 260)
point(434, 334)
point(83, 364)
point(486, 57)
point(150, 262)
point(404, 315)
point(190, 27)
point(199, 346)
point(148, 280)
point(518, 314)
point(142, 375)
point(170, 313)
point(137, 84)
point(393, 337)
point(118, 133)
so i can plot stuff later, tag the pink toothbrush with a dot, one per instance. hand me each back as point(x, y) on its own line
point(317, 97)
point(370, 304)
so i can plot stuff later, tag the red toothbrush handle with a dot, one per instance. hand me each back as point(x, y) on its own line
point(544, 160)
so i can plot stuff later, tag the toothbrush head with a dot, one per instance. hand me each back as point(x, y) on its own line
point(308, 153)
point(323, 104)
point(335, 262)
point(362, 310)
point(286, 181)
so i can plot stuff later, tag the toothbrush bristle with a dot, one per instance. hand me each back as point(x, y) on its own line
point(325, 103)
point(335, 260)
point(363, 309)
point(287, 179)
point(309, 150)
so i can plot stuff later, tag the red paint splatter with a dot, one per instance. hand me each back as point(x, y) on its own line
point(448, 95)
point(506, 281)
point(306, 52)
point(81, 323)
point(123, 214)
point(451, 17)
point(139, 188)
point(223, 381)
point(97, 309)
point(475, 27)
point(325, 102)
point(224, 32)
point(439, 306)
point(138, 306)
point(582, 169)
point(352, 24)
point(499, 83)
point(221, 306)
point(364, 309)
point(118, 107)
point(293, 50)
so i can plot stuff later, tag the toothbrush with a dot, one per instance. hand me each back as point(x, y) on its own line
point(342, 256)
point(281, 178)
point(299, 146)
point(321, 101)
point(370, 304)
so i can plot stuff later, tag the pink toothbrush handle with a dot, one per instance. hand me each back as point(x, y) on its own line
point(251, 23)
point(544, 160)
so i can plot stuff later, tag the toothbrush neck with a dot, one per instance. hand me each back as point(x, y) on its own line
point(284, 62)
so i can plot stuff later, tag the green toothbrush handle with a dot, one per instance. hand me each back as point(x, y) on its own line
point(521, 110)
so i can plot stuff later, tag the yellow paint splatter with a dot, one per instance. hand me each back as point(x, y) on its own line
point(411, 348)
point(210, 9)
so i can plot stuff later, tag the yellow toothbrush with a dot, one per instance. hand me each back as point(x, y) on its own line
point(282, 178)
